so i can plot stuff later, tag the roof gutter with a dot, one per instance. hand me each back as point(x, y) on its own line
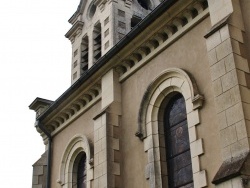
point(158, 11)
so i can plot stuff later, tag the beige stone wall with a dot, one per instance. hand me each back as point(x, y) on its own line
point(83, 125)
point(219, 66)
point(192, 59)
point(227, 47)
point(188, 53)
point(245, 5)
point(40, 172)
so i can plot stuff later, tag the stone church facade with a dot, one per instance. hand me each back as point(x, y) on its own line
point(159, 98)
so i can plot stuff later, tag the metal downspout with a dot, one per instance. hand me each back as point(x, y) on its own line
point(48, 177)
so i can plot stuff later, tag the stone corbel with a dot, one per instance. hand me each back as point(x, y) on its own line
point(197, 101)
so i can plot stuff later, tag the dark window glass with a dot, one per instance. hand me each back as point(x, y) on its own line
point(146, 4)
point(81, 172)
point(180, 173)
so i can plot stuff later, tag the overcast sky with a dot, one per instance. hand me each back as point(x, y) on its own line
point(35, 60)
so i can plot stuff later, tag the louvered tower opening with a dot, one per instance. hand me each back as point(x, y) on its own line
point(134, 21)
point(97, 42)
point(84, 54)
point(146, 4)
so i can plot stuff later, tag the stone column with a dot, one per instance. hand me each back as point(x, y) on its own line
point(230, 75)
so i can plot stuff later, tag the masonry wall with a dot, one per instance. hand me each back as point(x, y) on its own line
point(218, 64)
point(188, 53)
point(245, 4)
point(40, 172)
point(84, 125)
point(227, 46)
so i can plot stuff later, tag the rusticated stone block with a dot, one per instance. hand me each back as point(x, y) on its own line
point(228, 136)
point(200, 179)
point(212, 57)
point(196, 148)
point(234, 114)
point(222, 120)
point(224, 49)
point(229, 80)
point(213, 41)
point(37, 170)
point(217, 87)
point(218, 70)
point(241, 130)
point(223, 101)
point(193, 118)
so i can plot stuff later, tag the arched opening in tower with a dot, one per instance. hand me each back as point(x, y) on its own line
point(146, 4)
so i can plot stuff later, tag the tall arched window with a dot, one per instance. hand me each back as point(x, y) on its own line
point(177, 144)
point(79, 171)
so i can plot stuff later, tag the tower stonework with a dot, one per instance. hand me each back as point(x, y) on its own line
point(98, 25)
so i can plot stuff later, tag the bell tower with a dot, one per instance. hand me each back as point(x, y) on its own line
point(97, 25)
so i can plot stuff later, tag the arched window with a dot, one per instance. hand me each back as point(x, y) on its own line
point(177, 144)
point(146, 4)
point(79, 171)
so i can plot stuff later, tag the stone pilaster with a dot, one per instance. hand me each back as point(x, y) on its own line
point(111, 88)
point(107, 148)
point(107, 155)
point(230, 75)
point(40, 172)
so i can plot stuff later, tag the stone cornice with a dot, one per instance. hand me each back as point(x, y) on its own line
point(65, 114)
point(126, 61)
point(78, 12)
point(75, 30)
point(39, 105)
point(170, 32)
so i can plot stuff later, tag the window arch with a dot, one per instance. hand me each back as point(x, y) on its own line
point(158, 97)
point(76, 170)
point(177, 146)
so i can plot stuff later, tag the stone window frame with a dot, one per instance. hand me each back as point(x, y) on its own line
point(169, 82)
point(76, 145)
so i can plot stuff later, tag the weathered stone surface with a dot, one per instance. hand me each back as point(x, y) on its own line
point(230, 169)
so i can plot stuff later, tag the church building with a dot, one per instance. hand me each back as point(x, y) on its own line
point(159, 98)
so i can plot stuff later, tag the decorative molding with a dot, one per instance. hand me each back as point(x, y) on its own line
point(75, 30)
point(217, 27)
point(189, 91)
point(78, 144)
point(73, 110)
point(197, 101)
point(171, 81)
point(78, 12)
point(39, 105)
point(163, 38)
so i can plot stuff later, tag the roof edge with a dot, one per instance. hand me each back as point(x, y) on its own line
point(150, 18)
